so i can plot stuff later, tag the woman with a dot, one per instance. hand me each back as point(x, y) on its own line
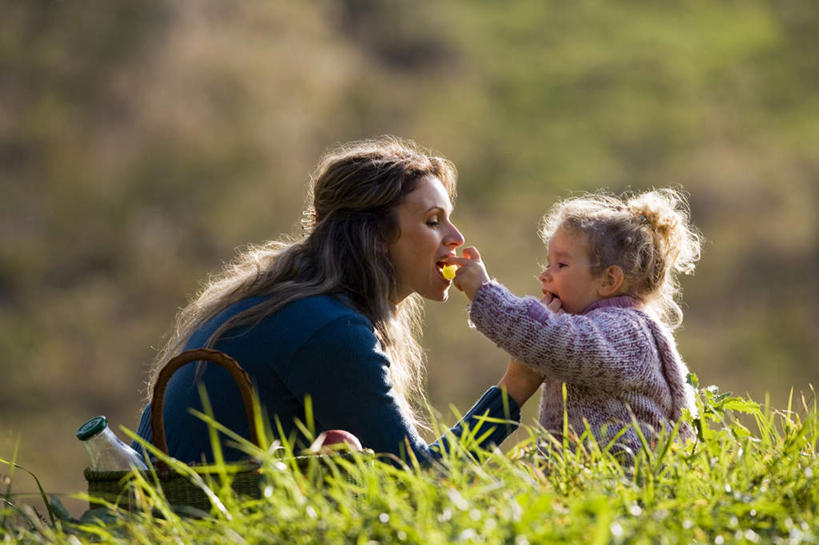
point(333, 315)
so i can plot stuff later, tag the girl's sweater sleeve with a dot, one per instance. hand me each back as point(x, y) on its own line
point(607, 349)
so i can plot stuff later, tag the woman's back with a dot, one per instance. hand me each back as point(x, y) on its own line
point(307, 348)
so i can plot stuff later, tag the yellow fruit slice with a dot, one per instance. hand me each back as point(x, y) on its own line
point(449, 271)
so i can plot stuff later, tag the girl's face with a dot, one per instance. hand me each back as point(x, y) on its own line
point(568, 275)
point(426, 237)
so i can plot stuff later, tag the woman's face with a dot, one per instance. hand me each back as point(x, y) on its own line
point(426, 237)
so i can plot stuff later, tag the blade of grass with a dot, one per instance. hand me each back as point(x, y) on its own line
point(43, 495)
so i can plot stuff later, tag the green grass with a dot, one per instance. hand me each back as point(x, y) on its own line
point(749, 477)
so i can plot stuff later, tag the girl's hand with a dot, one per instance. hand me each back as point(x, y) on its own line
point(471, 272)
point(552, 303)
point(520, 381)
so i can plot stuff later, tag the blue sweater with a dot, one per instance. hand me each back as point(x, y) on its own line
point(317, 347)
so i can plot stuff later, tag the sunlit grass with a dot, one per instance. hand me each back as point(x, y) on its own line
point(748, 477)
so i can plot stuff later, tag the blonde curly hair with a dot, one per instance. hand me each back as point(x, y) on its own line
point(648, 235)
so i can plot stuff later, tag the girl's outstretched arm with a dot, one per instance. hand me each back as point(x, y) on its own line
point(609, 349)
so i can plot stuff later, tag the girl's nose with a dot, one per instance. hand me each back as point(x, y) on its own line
point(544, 276)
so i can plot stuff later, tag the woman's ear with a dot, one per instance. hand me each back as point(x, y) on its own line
point(611, 280)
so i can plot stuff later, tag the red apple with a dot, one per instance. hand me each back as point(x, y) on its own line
point(335, 439)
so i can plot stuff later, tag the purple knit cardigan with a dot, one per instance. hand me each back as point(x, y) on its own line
point(613, 357)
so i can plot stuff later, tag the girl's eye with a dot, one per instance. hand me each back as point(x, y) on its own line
point(561, 265)
point(433, 222)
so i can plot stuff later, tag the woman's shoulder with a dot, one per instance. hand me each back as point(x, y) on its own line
point(320, 320)
point(316, 316)
point(321, 330)
point(292, 324)
point(318, 309)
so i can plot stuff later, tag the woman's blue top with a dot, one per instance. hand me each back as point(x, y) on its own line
point(317, 347)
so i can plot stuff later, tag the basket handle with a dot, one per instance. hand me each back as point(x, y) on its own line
point(158, 400)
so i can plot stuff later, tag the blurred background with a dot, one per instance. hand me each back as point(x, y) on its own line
point(142, 143)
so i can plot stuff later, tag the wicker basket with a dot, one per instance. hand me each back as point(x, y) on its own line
point(180, 489)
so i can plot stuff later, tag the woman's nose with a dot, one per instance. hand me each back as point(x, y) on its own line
point(454, 238)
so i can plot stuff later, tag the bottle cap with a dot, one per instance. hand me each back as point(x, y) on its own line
point(92, 428)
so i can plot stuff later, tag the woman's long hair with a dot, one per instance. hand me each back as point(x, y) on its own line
point(343, 250)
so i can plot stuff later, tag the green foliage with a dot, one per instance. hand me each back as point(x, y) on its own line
point(730, 485)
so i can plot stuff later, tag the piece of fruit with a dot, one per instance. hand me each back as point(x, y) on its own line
point(449, 271)
point(336, 439)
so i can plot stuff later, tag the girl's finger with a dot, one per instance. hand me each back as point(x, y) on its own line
point(459, 261)
point(472, 253)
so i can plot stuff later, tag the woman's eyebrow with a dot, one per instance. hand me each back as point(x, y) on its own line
point(435, 208)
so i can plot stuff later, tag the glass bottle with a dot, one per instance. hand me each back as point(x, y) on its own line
point(107, 451)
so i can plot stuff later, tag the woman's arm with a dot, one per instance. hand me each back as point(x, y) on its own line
point(520, 382)
point(347, 378)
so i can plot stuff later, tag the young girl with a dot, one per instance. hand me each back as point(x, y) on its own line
point(603, 326)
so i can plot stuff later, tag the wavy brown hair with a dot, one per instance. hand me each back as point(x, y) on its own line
point(348, 226)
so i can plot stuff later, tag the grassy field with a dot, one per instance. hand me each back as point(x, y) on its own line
point(143, 143)
point(749, 477)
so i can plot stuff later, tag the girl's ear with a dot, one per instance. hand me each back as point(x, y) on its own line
point(611, 280)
